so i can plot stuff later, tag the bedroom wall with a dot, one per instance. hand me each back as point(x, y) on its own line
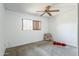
point(13, 28)
point(64, 25)
point(2, 44)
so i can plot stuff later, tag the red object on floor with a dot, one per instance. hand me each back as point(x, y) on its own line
point(59, 43)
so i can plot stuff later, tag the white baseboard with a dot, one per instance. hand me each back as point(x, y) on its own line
point(72, 46)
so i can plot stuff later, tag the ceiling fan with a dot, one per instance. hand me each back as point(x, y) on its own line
point(48, 11)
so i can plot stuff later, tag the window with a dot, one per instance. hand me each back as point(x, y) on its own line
point(31, 25)
point(27, 25)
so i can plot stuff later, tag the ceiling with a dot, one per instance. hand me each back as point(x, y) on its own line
point(32, 8)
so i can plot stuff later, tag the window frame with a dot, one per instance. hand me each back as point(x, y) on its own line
point(23, 25)
point(33, 28)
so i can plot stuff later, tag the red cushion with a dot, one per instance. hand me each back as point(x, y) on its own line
point(59, 43)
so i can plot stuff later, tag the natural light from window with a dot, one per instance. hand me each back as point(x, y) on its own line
point(27, 25)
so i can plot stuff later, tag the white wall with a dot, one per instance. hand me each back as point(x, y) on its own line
point(13, 29)
point(2, 46)
point(64, 26)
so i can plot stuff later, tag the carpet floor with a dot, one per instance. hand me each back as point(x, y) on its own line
point(42, 48)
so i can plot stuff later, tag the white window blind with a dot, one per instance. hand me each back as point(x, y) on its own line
point(27, 25)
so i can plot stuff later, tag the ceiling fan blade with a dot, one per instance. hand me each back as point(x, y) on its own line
point(40, 11)
point(49, 14)
point(54, 10)
point(42, 14)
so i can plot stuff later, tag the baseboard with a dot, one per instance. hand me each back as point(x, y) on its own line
point(72, 46)
point(23, 44)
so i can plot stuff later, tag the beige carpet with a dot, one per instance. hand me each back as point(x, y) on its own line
point(42, 48)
